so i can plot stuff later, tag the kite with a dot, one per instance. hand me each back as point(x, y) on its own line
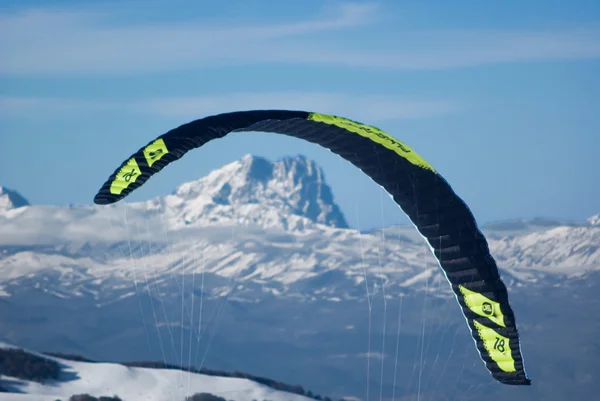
point(442, 218)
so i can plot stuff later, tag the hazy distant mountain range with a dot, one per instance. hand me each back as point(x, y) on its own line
point(254, 268)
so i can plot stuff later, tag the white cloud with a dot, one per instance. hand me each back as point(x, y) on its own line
point(368, 108)
point(51, 42)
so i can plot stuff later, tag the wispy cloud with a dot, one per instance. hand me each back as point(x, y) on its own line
point(366, 107)
point(66, 42)
point(460, 49)
point(50, 42)
point(369, 108)
point(27, 106)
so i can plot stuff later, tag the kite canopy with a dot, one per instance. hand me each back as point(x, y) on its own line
point(428, 200)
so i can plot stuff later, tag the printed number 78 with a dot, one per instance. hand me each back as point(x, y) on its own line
point(499, 344)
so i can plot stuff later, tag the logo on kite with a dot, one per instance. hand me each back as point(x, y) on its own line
point(487, 308)
point(375, 134)
point(155, 151)
point(154, 155)
point(128, 176)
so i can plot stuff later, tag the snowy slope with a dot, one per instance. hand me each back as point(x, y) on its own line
point(266, 260)
point(132, 383)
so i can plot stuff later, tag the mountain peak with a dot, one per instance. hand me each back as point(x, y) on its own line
point(288, 193)
point(10, 199)
point(257, 168)
point(595, 220)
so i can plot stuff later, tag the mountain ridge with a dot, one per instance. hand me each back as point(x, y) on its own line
point(255, 220)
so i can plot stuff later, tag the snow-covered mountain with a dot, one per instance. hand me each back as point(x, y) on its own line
point(289, 194)
point(129, 383)
point(10, 199)
point(266, 241)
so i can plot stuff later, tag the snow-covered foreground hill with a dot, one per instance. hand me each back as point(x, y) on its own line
point(133, 384)
point(254, 268)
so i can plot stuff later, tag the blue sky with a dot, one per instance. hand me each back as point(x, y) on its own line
point(502, 98)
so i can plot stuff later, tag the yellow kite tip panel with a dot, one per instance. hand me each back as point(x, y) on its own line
point(483, 306)
point(497, 347)
point(374, 134)
point(126, 176)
